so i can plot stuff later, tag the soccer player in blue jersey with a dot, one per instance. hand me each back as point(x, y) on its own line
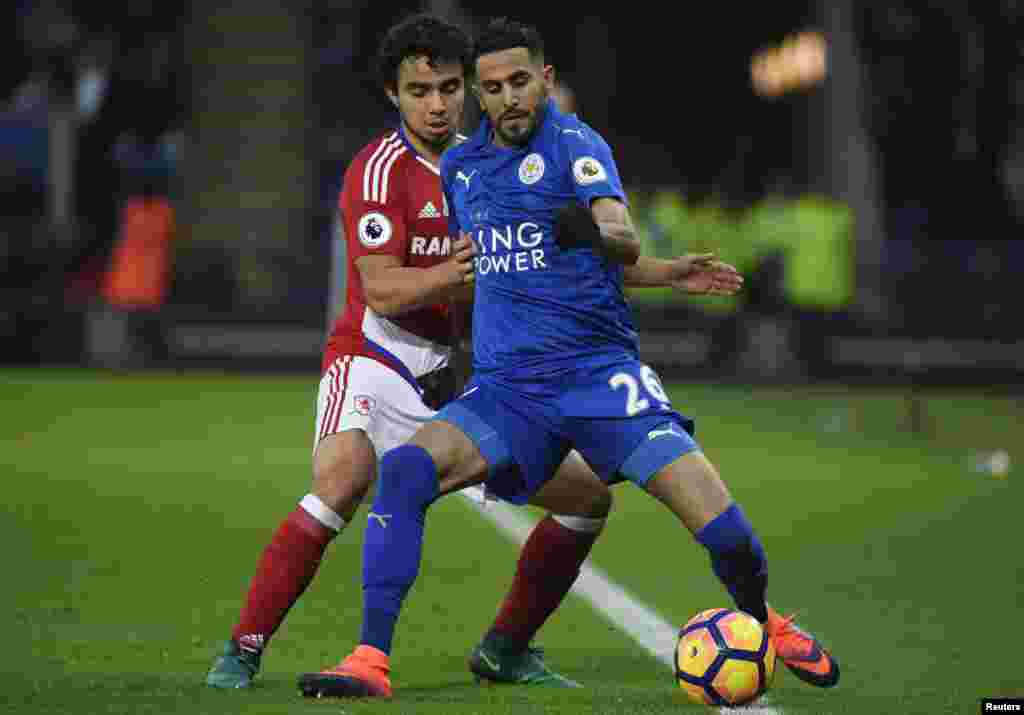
point(556, 364)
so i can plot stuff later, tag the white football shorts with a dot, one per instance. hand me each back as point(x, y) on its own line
point(360, 393)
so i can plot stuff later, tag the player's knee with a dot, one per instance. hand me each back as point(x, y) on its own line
point(591, 514)
point(344, 467)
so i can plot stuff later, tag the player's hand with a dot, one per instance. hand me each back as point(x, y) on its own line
point(575, 228)
point(460, 267)
point(702, 274)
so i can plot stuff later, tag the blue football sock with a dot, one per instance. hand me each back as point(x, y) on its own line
point(393, 543)
point(738, 559)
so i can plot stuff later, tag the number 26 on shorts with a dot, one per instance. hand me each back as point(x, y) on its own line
point(651, 384)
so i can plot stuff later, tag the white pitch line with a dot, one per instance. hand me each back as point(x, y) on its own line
point(627, 613)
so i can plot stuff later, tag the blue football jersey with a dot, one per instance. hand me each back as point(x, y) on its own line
point(541, 312)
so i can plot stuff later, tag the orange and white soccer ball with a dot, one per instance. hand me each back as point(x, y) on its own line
point(724, 657)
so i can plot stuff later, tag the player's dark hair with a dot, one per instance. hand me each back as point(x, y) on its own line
point(504, 34)
point(422, 35)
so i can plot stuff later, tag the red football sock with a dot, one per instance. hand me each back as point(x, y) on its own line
point(548, 566)
point(283, 573)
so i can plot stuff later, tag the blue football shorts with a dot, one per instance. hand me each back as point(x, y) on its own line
point(618, 418)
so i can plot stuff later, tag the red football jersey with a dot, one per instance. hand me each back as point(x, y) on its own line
point(391, 204)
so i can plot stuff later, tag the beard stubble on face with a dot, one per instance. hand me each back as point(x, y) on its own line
point(514, 138)
point(529, 121)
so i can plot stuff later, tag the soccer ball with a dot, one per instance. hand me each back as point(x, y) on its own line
point(724, 657)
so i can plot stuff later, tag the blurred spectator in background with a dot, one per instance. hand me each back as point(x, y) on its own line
point(120, 152)
point(47, 40)
point(41, 39)
point(118, 76)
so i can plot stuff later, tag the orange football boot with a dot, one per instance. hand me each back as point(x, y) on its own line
point(801, 652)
point(363, 674)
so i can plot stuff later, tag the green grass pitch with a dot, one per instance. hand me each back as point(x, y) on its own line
point(135, 506)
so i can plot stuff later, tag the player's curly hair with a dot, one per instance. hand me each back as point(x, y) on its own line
point(422, 35)
point(502, 33)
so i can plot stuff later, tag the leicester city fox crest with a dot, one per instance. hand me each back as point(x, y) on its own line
point(532, 169)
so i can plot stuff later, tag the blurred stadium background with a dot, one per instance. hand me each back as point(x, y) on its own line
point(170, 175)
point(168, 182)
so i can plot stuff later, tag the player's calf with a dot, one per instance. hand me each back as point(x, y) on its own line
point(407, 486)
point(691, 488)
point(343, 465)
point(738, 559)
point(285, 569)
point(549, 564)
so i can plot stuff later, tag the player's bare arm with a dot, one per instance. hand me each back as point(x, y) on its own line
point(694, 273)
point(392, 288)
point(619, 241)
point(606, 227)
